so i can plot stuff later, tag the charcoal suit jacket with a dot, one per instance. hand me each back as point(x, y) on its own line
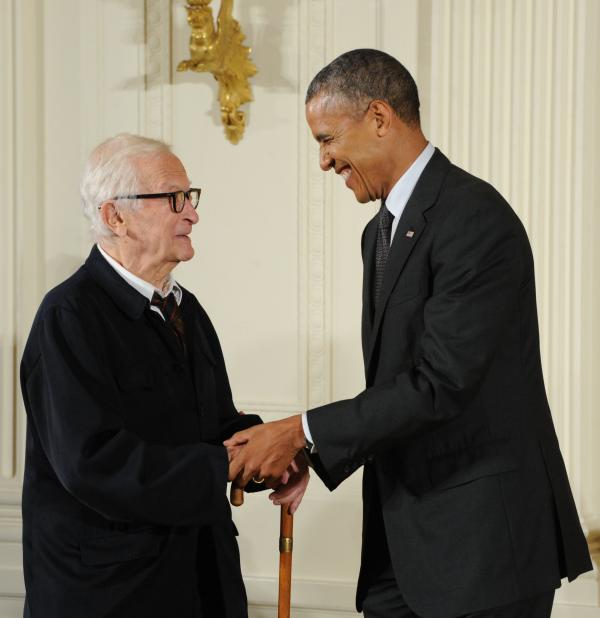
point(124, 505)
point(464, 483)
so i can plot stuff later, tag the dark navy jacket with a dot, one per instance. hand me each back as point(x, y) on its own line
point(124, 503)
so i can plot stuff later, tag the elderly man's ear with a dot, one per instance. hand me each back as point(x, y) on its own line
point(113, 218)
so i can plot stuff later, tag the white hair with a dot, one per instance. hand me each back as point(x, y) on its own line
point(112, 170)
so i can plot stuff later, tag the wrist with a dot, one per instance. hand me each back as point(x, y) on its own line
point(299, 437)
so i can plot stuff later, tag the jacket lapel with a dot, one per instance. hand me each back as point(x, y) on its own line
point(368, 251)
point(408, 232)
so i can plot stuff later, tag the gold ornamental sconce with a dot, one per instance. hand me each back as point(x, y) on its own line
point(221, 53)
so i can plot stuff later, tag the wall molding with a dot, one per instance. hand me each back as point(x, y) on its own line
point(7, 245)
point(159, 66)
point(312, 193)
point(21, 154)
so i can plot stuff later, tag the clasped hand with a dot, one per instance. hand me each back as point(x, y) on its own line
point(272, 452)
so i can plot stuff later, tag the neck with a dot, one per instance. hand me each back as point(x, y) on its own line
point(156, 274)
point(410, 143)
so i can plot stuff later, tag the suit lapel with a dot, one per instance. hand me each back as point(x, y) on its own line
point(368, 251)
point(408, 233)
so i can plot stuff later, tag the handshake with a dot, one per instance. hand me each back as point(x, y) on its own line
point(271, 453)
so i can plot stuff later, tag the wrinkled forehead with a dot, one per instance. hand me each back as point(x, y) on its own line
point(161, 172)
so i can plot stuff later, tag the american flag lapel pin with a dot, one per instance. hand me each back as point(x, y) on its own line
point(410, 233)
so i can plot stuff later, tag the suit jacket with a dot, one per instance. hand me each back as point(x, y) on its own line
point(463, 477)
point(124, 505)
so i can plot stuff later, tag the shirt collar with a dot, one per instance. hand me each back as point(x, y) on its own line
point(143, 287)
point(402, 190)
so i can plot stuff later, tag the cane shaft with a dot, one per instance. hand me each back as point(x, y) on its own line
point(286, 541)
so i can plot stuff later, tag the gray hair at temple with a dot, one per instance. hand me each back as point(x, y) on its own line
point(362, 75)
point(112, 169)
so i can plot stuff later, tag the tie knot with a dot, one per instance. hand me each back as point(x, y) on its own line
point(170, 312)
point(385, 217)
point(167, 304)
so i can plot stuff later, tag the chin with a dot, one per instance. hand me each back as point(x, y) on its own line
point(362, 196)
point(187, 255)
point(362, 199)
point(185, 250)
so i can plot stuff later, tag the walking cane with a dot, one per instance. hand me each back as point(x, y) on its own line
point(286, 541)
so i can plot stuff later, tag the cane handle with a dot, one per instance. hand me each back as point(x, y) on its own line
point(236, 495)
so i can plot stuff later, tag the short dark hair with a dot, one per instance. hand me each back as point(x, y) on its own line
point(363, 74)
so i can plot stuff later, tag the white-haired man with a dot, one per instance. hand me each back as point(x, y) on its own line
point(128, 402)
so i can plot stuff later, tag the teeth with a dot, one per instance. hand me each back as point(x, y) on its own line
point(345, 173)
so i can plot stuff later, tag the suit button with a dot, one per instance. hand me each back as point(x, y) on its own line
point(347, 469)
point(370, 458)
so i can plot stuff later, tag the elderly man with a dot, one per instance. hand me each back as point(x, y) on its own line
point(128, 402)
point(467, 505)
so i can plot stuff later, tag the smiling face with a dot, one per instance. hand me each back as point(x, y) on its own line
point(152, 239)
point(350, 144)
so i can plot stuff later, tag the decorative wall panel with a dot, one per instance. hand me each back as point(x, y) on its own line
point(508, 82)
point(7, 249)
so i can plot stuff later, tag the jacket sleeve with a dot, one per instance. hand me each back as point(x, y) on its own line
point(477, 265)
point(73, 404)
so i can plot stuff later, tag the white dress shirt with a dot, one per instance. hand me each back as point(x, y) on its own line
point(395, 203)
point(143, 287)
point(402, 190)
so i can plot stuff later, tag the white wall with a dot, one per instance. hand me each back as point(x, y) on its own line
point(509, 90)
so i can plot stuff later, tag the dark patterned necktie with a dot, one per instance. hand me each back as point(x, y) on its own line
point(382, 248)
point(170, 310)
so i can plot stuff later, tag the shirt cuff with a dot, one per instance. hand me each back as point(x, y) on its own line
point(310, 442)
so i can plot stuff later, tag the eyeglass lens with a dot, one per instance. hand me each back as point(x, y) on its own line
point(179, 198)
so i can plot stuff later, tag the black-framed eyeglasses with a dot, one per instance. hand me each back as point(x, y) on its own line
point(177, 198)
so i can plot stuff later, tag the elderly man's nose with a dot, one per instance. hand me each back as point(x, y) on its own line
point(189, 212)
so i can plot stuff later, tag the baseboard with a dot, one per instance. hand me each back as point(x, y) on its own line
point(11, 606)
point(584, 591)
point(335, 599)
point(266, 611)
point(334, 596)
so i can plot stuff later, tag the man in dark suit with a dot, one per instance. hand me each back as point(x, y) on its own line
point(467, 505)
point(128, 402)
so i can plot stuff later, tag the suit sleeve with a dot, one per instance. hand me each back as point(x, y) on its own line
point(72, 402)
point(477, 266)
